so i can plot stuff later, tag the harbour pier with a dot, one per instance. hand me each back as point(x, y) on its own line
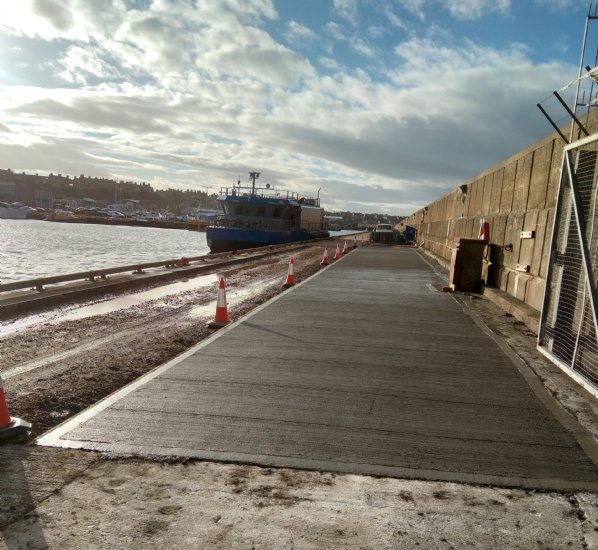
point(365, 368)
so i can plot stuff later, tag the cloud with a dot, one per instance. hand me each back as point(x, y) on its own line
point(359, 46)
point(347, 9)
point(297, 33)
point(561, 5)
point(55, 13)
point(195, 93)
point(474, 9)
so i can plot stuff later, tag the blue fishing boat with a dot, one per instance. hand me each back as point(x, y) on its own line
point(256, 216)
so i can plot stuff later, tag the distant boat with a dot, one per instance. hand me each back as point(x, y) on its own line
point(262, 216)
point(13, 211)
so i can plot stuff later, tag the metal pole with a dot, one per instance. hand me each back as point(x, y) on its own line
point(583, 52)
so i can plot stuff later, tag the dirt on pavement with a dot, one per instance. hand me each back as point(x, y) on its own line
point(62, 498)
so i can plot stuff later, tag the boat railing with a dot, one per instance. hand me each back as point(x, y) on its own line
point(255, 222)
point(267, 193)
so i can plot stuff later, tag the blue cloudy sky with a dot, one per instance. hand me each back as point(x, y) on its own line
point(383, 104)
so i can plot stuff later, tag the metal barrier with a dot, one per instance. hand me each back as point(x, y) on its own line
point(569, 322)
point(92, 275)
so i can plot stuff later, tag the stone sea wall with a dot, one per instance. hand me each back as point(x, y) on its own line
point(519, 194)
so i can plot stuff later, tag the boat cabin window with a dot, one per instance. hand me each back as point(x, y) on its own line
point(260, 211)
point(276, 213)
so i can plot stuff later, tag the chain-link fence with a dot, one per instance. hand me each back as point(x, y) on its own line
point(569, 323)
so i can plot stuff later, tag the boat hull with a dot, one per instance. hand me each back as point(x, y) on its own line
point(224, 239)
point(13, 213)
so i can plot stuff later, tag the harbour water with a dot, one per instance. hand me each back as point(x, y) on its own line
point(36, 248)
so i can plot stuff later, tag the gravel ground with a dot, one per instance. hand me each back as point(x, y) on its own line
point(60, 498)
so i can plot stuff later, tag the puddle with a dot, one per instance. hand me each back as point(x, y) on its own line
point(234, 296)
point(70, 313)
point(75, 312)
point(123, 302)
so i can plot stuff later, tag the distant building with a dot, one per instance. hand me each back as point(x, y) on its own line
point(27, 192)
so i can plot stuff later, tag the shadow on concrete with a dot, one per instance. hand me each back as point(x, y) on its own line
point(17, 499)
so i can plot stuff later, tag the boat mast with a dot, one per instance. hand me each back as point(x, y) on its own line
point(253, 176)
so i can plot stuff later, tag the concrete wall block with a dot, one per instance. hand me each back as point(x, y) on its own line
point(540, 176)
point(542, 230)
point(521, 282)
point(526, 246)
point(512, 233)
point(547, 242)
point(498, 226)
point(487, 194)
point(511, 287)
point(535, 293)
point(466, 204)
point(470, 229)
point(508, 187)
point(555, 173)
point(522, 182)
point(497, 180)
point(473, 192)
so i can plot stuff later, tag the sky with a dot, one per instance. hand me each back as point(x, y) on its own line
point(381, 106)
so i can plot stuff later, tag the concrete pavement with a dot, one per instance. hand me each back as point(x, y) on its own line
point(365, 368)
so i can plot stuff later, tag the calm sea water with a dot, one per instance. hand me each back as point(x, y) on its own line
point(36, 248)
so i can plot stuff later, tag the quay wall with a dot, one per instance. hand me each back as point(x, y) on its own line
point(518, 194)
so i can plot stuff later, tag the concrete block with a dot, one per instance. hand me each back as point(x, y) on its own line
point(542, 230)
point(522, 181)
point(535, 293)
point(487, 194)
point(547, 242)
point(521, 281)
point(526, 246)
point(555, 173)
point(502, 278)
point(519, 310)
point(511, 283)
point(474, 192)
point(512, 231)
point(508, 187)
point(469, 228)
point(540, 176)
point(497, 180)
point(498, 226)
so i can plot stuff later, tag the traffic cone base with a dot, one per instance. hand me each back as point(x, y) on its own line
point(221, 318)
point(10, 428)
point(325, 258)
point(290, 275)
point(18, 429)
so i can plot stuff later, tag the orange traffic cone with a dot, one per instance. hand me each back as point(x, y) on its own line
point(362, 241)
point(337, 254)
point(10, 427)
point(325, 259)
point(221, 319)
point(345, 248)
point(291, 275)
point(354, 242)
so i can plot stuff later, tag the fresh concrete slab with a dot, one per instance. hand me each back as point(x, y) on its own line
point(365, 368)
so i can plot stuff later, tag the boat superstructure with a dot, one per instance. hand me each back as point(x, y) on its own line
point(262, 215)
